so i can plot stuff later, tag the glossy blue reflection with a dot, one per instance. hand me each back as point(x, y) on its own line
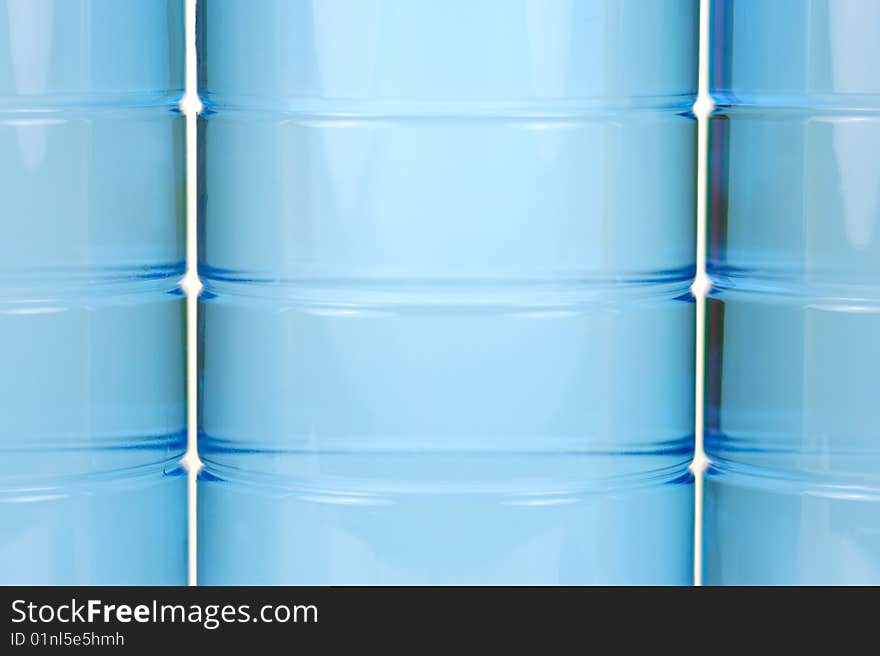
point(447, 332)
point(92, 325)
point(793, 494)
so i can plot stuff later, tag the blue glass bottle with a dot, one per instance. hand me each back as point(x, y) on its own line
point(792, 419)
point(92, 324)
point(447, 334)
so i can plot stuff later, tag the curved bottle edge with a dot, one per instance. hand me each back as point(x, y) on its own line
point(825, 287)
point(35, 488)
point(580, 446)
point(410, 108)
point(508, 299)
point(793, 481)
point(383, 491)
point(844, 106)
point(32, 288)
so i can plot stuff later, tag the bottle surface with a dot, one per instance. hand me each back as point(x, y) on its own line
point(92, 324)
point(792, 423)
point(447, 334)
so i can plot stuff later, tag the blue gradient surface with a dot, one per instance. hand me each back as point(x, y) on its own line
point(92, 324)
point(792, 423)
point(447, 334)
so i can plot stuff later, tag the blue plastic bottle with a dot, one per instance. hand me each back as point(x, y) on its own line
point(92, 325)
point(792, 415)
point(447, 334)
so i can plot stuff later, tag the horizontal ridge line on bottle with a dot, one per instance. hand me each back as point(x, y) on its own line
point(794, 442)
point(791, 283)
point(214, 278)
point(851, 487)
point(391, 108)
point(87, 102)
point(819, 103)
point(383, 490)
point(36, 289)
point(534, 300)
point(96, 442)
point(60, 485)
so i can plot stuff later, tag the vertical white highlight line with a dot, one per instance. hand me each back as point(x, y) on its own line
point(191, 107)
point(702, 109)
